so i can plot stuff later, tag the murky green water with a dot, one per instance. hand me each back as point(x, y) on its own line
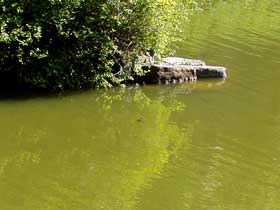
point(210, 145)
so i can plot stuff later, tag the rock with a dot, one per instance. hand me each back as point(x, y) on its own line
point(210, 72)
point(182, 61)
point(176, 69)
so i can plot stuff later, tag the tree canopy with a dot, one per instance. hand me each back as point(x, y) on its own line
point(61, 44)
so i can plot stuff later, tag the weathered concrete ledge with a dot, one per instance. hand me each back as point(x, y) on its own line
point(174, 69)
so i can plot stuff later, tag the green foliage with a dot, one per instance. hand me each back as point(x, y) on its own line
point(58, 44)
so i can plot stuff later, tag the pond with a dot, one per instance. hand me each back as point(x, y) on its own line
point(206, 145)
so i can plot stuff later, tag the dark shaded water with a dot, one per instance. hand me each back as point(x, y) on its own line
point(210, 145)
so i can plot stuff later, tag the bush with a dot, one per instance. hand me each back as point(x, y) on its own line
point(58, 44)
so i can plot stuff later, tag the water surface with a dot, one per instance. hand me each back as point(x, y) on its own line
point(210, 145)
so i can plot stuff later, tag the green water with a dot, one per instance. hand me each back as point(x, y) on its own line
point(209, 145)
